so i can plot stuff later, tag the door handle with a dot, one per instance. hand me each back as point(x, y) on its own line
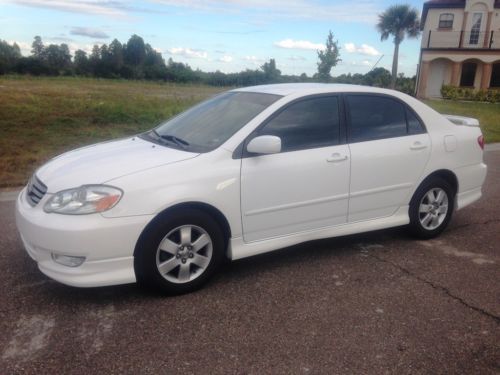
point(335, 158)
point(418, 146)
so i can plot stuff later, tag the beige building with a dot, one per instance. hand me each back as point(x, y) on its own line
point(460, 46)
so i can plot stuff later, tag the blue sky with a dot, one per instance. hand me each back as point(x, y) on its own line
point(225, 35)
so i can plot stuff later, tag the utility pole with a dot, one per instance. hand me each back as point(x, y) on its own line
point(373, 67)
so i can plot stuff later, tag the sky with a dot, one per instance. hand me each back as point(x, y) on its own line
point(225, 35)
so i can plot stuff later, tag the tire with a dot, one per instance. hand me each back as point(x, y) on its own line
point(431, 208)
point(179, 252)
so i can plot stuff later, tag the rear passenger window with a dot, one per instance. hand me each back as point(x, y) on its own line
point(414, 124)
point(310, 123)
point(375, 117)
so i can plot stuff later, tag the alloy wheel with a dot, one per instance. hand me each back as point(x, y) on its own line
point(184, 254)
point(433, 208)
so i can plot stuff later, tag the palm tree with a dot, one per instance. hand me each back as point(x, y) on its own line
point(398, 21)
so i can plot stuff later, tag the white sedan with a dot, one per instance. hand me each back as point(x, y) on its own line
point(249, 171)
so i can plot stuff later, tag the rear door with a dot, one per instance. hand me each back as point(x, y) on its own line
point(389, 149)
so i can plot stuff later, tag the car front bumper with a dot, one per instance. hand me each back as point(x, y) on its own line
point(106, 243)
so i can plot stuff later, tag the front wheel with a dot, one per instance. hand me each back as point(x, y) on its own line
point(431, 208)
point(180, 253)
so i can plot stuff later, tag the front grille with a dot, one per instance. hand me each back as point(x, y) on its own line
point(35, 191)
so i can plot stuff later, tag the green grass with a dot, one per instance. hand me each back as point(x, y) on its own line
point(42, 117)
point(488, 115)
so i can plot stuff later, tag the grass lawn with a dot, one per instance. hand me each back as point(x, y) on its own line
point(42, 117)
point(488, 115)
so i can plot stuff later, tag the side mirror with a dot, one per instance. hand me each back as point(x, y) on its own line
point(264, 144)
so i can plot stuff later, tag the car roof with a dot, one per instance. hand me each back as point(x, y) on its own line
point(285, 89)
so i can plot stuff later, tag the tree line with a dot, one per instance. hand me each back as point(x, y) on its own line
point(136, 59)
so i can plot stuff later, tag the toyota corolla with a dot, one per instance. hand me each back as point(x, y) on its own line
point(246, 172)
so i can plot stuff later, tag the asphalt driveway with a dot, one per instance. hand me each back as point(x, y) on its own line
point(374, 303)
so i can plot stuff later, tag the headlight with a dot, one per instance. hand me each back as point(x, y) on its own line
point(86, 199)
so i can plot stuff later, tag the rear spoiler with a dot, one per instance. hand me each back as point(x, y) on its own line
point(464, 121)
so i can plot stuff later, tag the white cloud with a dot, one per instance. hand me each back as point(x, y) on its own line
point(23, 46)
point(226, 59)
point(188, 53)
point(299, 44)
point(61, 38)
point(90, 32)
point(253, 59)
point(103, 8)
point(297, 58)
point(364, 49)
point(84, 47)
point(26, 47)
point(350, 47)
point(342, 11)
point(361, 63)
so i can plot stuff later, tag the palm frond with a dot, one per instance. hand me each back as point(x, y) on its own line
point(399, 21)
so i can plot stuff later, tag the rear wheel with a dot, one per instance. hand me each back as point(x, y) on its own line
point(431, 208)
point(179, 254)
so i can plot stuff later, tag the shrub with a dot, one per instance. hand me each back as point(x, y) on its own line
point(465, 93)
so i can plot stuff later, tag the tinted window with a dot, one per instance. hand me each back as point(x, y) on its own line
point(209, 124)
point(375, 117)
point(414, 124)
point(307, 124)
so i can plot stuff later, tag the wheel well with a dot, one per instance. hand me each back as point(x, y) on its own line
point(218, 216)
point(446, 175)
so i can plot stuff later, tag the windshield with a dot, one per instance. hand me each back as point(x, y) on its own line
point(206, 126)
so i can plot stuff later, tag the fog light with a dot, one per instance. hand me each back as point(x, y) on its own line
point(67, 260)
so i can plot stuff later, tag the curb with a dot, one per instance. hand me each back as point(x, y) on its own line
point(10, 194)
point(492, 147)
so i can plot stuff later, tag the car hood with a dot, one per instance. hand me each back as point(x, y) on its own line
point(102, 162)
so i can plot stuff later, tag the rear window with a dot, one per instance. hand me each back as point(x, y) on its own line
point(414, 124)
point(373, 117)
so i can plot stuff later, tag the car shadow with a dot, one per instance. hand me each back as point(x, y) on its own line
point(237, 271)
point(335, 247)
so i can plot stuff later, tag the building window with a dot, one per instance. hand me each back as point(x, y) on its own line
point(468, 74)
point(495, 76)
point(475, 31)
point(446, 21)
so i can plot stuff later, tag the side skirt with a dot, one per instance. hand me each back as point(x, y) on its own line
point(239, 249)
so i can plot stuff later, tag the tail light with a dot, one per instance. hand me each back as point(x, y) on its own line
point(480, 141)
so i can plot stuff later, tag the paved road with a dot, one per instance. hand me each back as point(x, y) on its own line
point(373, 303)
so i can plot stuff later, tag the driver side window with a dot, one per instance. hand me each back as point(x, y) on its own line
point(310, 123)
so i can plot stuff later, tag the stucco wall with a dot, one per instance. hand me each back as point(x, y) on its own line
point(458, 56)
point(449, 38)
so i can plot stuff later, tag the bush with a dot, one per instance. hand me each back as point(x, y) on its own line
point(465, 93)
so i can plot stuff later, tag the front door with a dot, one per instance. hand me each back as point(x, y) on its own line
point(306, 185)
point(436, 78)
